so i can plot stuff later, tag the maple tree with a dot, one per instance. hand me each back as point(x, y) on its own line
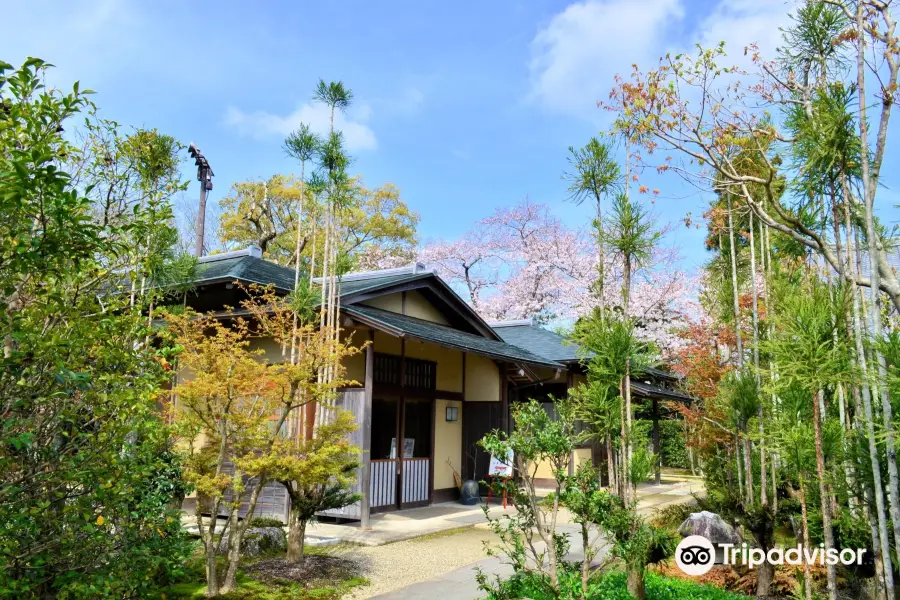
point(235, 407)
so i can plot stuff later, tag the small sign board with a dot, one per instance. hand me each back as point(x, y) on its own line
point(409, 445)
point(501, 468)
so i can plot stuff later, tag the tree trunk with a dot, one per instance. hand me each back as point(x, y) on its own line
point(870, 186)
point(748, 469)
point(765, 574)
point(774, 483)
point(734, 288)
point(601, 268)
point(233, 555)
point(804, 515)
point(585, 561)
point(212, 578)
point(878, 486)
point(623, 452)
point(611, 465)
point(628, 451)
point(825, 497)
point(657, 459)
point(635, 581)
point(236, 537)
point(762, 430)
point(296, 531)
point(297, 261)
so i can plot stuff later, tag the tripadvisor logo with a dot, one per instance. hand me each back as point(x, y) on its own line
point(696, 555)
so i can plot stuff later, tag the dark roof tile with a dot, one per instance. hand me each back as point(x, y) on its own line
point(540, 341)
point(446, 336)
point(250, 269)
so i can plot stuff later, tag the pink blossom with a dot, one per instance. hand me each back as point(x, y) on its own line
point(522, 262)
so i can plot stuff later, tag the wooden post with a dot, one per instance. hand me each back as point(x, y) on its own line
point(366, 450)
point(464, 451)
point(656, 440)
point(504, 399)
point(401, 426)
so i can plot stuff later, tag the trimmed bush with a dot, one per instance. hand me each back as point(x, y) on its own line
point(606, 587)
point(612, 587)
point(265, 522)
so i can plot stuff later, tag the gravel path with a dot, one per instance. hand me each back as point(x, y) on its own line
point(400, 564)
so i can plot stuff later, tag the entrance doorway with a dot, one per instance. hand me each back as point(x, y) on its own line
point(401, 461)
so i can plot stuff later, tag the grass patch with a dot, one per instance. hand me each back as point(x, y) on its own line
point(318, 577)
point(672, 516)
point(442, 534)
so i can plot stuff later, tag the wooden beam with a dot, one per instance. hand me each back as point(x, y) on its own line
point(367, 431)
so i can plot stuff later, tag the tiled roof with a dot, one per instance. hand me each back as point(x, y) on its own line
point(642, 388)
point(352, 287)
point(445, 336)
point(553, 346)
point(250, 269)
point(538, 340)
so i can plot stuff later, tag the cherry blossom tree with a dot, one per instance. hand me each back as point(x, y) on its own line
point(523, 262)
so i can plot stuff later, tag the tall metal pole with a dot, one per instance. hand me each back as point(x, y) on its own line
point(204, 176)
point(201, 222)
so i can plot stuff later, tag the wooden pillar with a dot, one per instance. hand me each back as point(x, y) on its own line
point(504, 399)
point(401, 426)
point(366, 450)
point(658, 461)
point(464, 451)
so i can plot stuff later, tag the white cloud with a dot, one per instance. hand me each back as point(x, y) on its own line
point(740, 23)
point(576, 56)
point(262, 124)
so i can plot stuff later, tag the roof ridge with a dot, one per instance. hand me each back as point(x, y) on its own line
point(252, 250)
point(415, 268)
point(514, 323)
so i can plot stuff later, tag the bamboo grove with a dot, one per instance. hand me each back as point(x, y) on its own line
point(794, 360)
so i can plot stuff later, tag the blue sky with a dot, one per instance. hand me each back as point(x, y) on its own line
point(465, 106)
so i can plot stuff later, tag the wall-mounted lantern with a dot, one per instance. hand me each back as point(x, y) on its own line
point(452, 413)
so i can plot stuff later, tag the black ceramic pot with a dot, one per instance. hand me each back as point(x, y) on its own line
point(468, 493)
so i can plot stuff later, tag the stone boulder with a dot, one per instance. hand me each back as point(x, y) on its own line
point(258, 541)
point(712, 527)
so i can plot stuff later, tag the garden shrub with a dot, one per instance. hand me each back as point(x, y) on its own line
point(265, 522)
point(672, 445)
point(610, 586)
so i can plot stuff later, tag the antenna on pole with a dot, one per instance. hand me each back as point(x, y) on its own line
point(204, 176)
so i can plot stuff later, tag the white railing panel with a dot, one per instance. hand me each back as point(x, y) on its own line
point(415, 480)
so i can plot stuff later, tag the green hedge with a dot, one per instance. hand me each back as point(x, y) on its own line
point(611, 586)
point(671, 442)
